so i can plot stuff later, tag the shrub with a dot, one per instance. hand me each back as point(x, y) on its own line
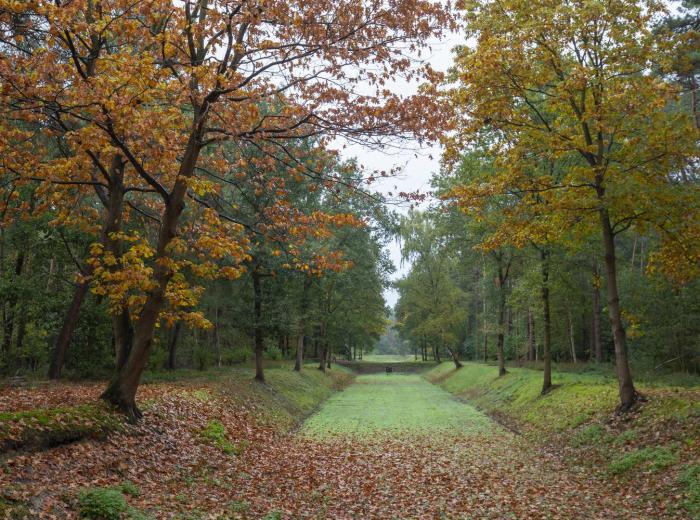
point(102, 503)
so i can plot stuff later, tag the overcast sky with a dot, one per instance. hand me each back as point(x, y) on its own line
point(415, 161)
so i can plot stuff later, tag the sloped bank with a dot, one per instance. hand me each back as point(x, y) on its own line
point(191, 451)
point(651, 451)
point(31, 418)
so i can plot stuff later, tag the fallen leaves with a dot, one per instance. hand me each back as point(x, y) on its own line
point(430, 475)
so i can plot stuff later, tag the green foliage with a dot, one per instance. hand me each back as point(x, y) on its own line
point(652, 458)
point(101, 503)
point(273, 515)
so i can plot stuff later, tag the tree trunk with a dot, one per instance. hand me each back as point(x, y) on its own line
point(596, 328)
point(121, 392)
point(121, 326)
point(9, 325)
point(172, 345)
point(532, 346)
point(257, 325)
point(323, 347)
point(436, 354)
point(547, 324)
point(60, 346)
point(455, 358)
point(628, 394)
point(123, 336)
point(571, 335)
point(500, 345)
point(302, 325)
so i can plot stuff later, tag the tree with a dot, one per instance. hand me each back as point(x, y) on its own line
point(159, 87)
point(570, 84)
point(431, 306)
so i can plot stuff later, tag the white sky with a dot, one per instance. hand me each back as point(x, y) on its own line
point(415, 161)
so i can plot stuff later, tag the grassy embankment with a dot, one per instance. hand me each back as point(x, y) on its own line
point(216, 408)
point(43, 414)
point(657, 444)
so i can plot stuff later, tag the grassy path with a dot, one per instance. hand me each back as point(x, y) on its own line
point(394, 403)
point(397, 446)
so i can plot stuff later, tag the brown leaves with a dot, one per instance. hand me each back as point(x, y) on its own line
point(425, 476)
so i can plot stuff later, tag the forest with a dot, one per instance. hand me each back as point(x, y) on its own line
point(210, 307)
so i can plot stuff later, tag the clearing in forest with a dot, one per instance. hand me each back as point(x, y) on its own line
point(401, 403)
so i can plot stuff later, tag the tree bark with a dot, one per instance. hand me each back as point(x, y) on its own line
point(60, 347)
point(596, 329)
point(500, 345)
point(9, 325)
point(172, 346)
point(455, 358)
point(546, 322)
point(121, 326)
point(121, 391)
point(628, 394)
point(532, 346)
point(323, 347)
point(571, 335)
point(257, 325)
point(302, 325)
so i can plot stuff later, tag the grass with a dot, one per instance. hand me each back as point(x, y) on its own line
point(690, 478)
point(287, 397)
point(215, 434)
point(578, 416)
point(102, 504)
point(577, 399)
point(650, 458)
point(382, 403)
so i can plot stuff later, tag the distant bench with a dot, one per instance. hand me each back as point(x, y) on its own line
point(389, 370)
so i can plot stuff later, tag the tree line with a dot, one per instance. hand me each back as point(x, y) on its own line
point(153, 152)
point(568, 225)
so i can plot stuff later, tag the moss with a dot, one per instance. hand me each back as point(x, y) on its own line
point(45, 428)
point(650, 458)
point(101, 504)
